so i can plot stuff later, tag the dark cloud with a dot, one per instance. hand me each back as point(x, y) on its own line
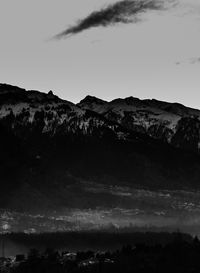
point(121, 12)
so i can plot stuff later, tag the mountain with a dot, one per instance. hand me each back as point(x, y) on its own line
point(55, 154)
point(170, 122)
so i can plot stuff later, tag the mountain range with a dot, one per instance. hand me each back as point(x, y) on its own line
point(55, 154)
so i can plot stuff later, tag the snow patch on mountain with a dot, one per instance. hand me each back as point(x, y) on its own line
point(171, 122)
point(148, 116)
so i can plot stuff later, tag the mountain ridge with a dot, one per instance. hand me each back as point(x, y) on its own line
point(158, 119)
point(173, 123)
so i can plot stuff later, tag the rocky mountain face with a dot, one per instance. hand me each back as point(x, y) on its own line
point(51, 147)
point(24, 112)
point(170, 122)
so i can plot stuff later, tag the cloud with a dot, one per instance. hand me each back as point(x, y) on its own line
point(195, 60)
point(121, 12)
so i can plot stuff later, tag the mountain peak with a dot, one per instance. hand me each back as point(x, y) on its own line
point(92, 99)
point(91, 103)
point(132, 101)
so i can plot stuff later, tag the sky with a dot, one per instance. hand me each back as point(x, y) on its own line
point(150, 54)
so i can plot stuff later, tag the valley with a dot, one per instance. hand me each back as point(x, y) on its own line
point(130, 208)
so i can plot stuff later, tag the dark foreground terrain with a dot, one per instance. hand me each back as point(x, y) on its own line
point(151, 252)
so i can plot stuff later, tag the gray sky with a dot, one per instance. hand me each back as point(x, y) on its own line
point(157, 56)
